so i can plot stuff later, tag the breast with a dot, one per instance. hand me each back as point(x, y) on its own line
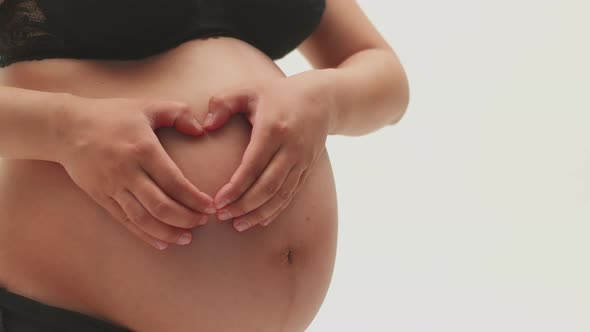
point(107, 28)
point(132, 29)
point(59, 247)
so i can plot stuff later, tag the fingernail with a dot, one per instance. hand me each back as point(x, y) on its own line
point(222, 203)
point(242, 225)
point(161, 245)
point(197, 124)
point(210, 210)
point(224, 215)
point(265, 222)
point(204, 219)
point(184, 239)
point(209, 119)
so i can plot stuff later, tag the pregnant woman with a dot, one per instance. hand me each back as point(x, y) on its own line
point(160, 173)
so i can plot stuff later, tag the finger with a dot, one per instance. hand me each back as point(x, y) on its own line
point(156, 162)
point(147, 223)
point(263, 189)
point(217, 116)
point(162, 207)
point(277, 213)
point(167, 113)
point(273, 205)
point(257, 156)
point(223, 106)
point(117, 213)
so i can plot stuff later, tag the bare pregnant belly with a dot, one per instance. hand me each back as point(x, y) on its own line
point(58, 247)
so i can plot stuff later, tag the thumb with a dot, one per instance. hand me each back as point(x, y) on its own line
point(173, 114)
point(224, 105)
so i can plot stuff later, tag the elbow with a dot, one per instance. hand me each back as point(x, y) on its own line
point(398, 116)
point(401, 97)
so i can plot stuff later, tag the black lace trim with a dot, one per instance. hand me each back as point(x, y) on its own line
point(24, 33)
point(40, 29)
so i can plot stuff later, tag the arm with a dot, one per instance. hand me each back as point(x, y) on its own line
point(29, 121)
point(358, 86)
point(356, 68)
point(109, 149)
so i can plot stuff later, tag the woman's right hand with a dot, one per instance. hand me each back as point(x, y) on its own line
point(110, 150)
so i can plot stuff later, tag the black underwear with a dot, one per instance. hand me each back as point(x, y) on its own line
point(133, 29)
point(22, 314)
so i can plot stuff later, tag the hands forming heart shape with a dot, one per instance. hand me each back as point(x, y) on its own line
point(117, 159)
point(290, 125)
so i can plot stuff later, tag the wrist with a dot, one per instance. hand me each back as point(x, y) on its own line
point(65, 110)
point(320, 85)
point(328, 90)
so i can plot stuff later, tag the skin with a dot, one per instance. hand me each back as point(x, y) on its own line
point(292, 117)
point(271, 278)
point(59, 246)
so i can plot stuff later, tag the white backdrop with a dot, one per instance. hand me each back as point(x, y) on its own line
point(473, 212)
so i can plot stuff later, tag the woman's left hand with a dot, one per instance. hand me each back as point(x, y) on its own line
point(290, 124)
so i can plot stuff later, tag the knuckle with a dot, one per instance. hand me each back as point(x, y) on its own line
point(110, 151)
point(143, 148)
point(126, 220)
point(185, 110)
point(284, 195)
point(140, 217)
point(271, 187)
point(123, 201)
point(161, 209)
point(281, 128)
point(147, 104)
point(303, 176)
point(142, 221)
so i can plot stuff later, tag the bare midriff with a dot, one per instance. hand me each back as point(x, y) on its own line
point(59, 247)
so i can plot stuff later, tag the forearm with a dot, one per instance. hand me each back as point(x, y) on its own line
point(29, 123)
point(367, 91)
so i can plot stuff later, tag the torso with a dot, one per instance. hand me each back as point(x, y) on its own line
point(59, 247)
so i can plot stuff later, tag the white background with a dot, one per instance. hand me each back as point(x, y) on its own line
point(473, 212)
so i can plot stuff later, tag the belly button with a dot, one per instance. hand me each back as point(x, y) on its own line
point(287, 257)
point(292, 256)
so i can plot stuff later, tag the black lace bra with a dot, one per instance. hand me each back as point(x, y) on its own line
point(132, 29)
